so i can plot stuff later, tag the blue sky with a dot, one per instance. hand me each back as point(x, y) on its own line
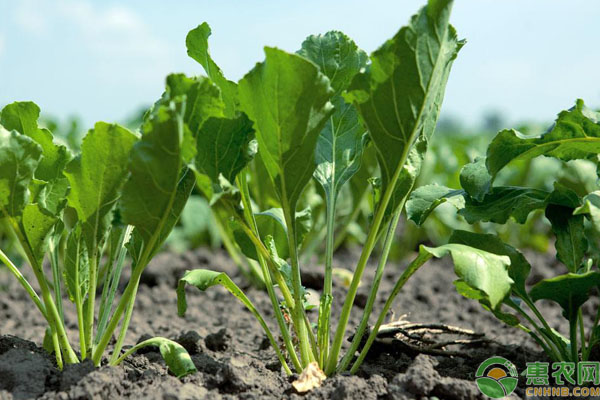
point(102, 60)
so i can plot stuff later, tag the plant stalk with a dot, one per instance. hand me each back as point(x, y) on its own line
point(124, 325)
point(298, 316)
point(573, 338)
point(560, 346)
point(91, 302)
point(389, 238)
point(421, 259)
point(323, 335)
point(112, 325)
point(52, 315)
point(360, 268)
point(249, 215)
point(24, 282)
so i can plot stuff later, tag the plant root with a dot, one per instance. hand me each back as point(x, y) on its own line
point(428, 338)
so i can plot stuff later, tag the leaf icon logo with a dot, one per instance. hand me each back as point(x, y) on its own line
point(496, 377)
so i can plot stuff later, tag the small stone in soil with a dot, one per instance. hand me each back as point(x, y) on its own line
point(274, 365)
point(265, 344)
point(218, 341)
point(190, 341)
point(361, 299)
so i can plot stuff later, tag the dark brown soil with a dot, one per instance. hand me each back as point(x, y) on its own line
point(231, 352)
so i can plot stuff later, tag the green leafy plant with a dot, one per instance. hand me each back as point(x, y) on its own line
point(573, 218)
point(312, 114)
point(121, 195)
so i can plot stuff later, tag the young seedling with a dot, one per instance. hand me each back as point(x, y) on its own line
point(575, 221)
point(122, 195)
point(312, 114)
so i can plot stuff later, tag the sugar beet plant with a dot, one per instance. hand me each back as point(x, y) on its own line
point(65, 207)
point(575, 221)
point(312, 114)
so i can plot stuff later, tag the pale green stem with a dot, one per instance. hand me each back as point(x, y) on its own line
point(52, 315)
point(23, 281)
point(389, 238)
point(421, 259)
point(124, 325)
point(360, 268)
point(549, 347)
point(115, 278)
point(91, 302)
point(559, 345)
point(56, 281)
point(57, 349)
point(249, 215)
point(323, 328)
point(298, 316)
point(114, 321)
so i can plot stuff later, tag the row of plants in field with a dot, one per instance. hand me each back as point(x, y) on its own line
point(306, 148)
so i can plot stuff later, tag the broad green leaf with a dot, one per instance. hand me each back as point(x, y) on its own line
point(157, 189)
point(202, 100)
point(481, 270)
point(262, 192)
point(23, 118)
point(175, 355)
point(519, 267)
point(563, 196)
point(197, 48)
point(575, 135)
point(591, 207)
point(96, 177)
point(425, 199)
point(339, 148)
point(497, 206)
point(337, 56)
point(570, 290)
point(400, 96)
point(475, 179)
point(467, 291)
point(571, 243)
point(272, 223)
point(52, 196)
point(76, 266)
point(182, 194)
point(37, 227)
point(224, 147)
point(503, 202)
point(19, 158)
point(287, 99)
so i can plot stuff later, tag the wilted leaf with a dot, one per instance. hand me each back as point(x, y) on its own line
point(310, 378)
